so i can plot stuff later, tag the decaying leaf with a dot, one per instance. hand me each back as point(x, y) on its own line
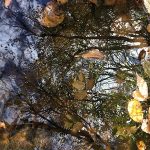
point(7, 3)
point(109, 2)
point(79, 85)
point(146, 67)
point(77, 127)
point(140, 145)
point(142, 86)
point(90, 83)
point(146, 126)
point(62, 1)
point(135, 110)
point(94, 53)
point(125, 131)
point(2, 125)
point(51, 16)
point(94, 2)
point(138, 96)
point(80, 95)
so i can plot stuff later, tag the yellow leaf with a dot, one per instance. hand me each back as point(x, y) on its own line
point(51, 16)
point(94, 53)
point(141, 145)
point(80, 95)
point(135, 110)
point(146, 126)
point(138, 96)
point(142, 86)
point(7, 3)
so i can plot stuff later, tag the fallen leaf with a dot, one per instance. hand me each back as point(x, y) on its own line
point(77, 84)
point(80, 95)
point(94, 2)
point(62, 1)
point(51, 16)
point(138, 96)
point(2, 125)
point(148, 28)
point(77, 127)
point(94, 53)
point(146, 67)
point(142, 55)
point(109, 2)
point(125, 131)
point(90, 83)
point(7, 3)
point(135, 110)
point(142, 86)
point(146, 126)
point(140, 145)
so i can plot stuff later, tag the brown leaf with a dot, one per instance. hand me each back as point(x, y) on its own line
point(51, 16)
point(94, 53)
point(90, 83)
point(148, 28)
point(142, 54)
point(62, 1)
point(7, 3)
point(80, 95)
point(2, 125)
point(109, 2)
point(79, 85)
point(94, 2)
point(77, 127)
point(135, 110)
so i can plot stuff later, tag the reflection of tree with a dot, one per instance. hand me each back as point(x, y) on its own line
point(51, 93)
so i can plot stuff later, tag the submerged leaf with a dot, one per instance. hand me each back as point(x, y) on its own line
point(135, 110)
point(77, 127)
point(79, 85)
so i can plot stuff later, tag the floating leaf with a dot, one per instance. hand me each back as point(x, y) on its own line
point(142, 86)
point(146, 126)
point(51, 16)
point(94, 53)
point(80, 95)
point(140, 145)
point(135, 110)
point(138, 96)
point(7, 3)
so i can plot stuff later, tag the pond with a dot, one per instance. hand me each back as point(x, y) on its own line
point(74, 74)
